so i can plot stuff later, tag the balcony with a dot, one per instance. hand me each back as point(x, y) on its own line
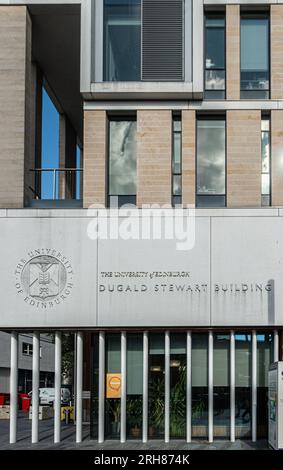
point(56, 188)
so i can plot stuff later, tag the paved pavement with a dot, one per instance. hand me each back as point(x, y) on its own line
point(68, 440)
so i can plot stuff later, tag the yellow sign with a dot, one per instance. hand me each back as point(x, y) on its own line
point(113, 386)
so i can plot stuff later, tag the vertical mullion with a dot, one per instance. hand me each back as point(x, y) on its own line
point(101, 387)
point(145, 388)
point(123, 386)
point(210, 386)
point(35, 386)
point(254, 386)
point(189, 386)
point(14, 388)
point(167, 386)
point(79, 387)
point(232, 386)
point(57, 402)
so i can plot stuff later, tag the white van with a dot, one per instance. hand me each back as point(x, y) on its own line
point(47, 396)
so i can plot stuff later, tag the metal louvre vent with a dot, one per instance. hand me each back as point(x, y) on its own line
point(162, 40)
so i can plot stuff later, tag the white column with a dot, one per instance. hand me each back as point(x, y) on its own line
point(79, 387)
point(232, 386)
point(210, 386)
point(276, 347)
point(167, 386)
point(35, 386)
point(123, 386)
point(14, 388)
point(101, 387)
point(145, 388)
point(57, 402)
point(254, 385)
point(189, 386)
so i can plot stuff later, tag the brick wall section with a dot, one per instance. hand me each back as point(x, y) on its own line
point(243, 158)
point(13, 26)
point(154, 157)
point(188, 157)
point(276, 157)
point(95, 158)
point(276, 25)
point(233, 52)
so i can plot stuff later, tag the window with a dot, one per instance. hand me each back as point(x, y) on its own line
point(113, 386)
point(221, 386)
point(156, 386)
point(27, 349)
point(211, 162)
point(177, 162)
point(122, 40)
point(265, 163)
point(199, 385)
point(134, 385)
point(255, 56)
point(143, 40)
point(243, 376)
point(215, 56)
point(122, 161)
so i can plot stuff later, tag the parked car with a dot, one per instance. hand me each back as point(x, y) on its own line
point(47, 396)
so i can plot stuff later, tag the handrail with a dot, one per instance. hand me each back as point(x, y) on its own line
point(70, 175)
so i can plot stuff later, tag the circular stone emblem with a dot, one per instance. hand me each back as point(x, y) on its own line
point(44, 279)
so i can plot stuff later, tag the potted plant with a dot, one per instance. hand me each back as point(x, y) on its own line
point(156, 409)
point(134, 418)
point(115, 409)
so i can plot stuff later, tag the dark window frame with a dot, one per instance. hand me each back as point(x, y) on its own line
point(256, 15)
point(27, 349)
point(265, 117)
point(175, 197)
point(125, 198)
point(199, 197)
point(216, 15)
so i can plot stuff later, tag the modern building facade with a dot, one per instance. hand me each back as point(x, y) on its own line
point(177, 300)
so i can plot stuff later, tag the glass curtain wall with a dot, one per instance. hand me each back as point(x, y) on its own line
point(200, 385)
point(113, 386)
point(243, 380)
point(178, 380)
point(122, 40)
point(221, 385)
point(122, 161)
point(211, 162)
point(156, 386)
point(134, 385)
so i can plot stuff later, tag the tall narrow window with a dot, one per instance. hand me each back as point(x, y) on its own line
point(215, 56)
point(122, 161)
point(134, 385)
point(255, 56)
point(221, 386)
point(178, 369)
point(243, 377)
point(199, 385)
point(113, 386)
point(265, 163)
point(211, 162)
point(177, 161)
point(156, 386)
point(122, 40)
